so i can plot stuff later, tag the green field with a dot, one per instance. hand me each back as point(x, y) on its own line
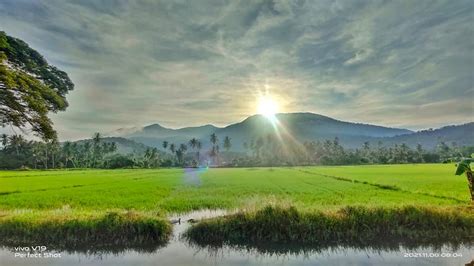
point(180, 190)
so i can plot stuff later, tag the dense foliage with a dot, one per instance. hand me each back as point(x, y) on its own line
point(97, 152)
point(30, 88)
point(464, 167)
point(270, 152)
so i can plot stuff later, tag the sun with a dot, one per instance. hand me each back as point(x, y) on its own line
point(267, 107)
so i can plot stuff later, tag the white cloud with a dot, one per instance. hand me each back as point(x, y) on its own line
point(186, 63)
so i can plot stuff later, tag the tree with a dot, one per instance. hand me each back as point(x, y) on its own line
point(96, 149)
point(120, 161)
point(214, 151)
point(172, 148)
point(180, 153)
point(68, 151)
point(464, 167)
point(198, 147)
point(4, 141)
point(193, 144)
point(227, 144)
point(214, 139)
point(183, 147)
point(30, 88)
point(53, 148)
point(165, 145)
point(419, 153)
point(17, 141)
point(150, 159)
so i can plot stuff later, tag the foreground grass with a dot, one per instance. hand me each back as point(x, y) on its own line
point(85, 231)
point(349, 226)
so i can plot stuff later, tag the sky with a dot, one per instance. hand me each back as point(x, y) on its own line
point(186, 63)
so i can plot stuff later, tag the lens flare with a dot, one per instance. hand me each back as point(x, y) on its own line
point(267, 107)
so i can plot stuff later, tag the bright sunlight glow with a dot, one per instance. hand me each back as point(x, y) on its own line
point(267, 107)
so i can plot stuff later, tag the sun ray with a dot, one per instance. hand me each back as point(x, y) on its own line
point(267, 106)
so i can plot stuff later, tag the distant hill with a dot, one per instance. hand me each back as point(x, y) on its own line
point(154, 135)
point(301, 127)
point(124, 146)
point(462, 135)
point(306, 127)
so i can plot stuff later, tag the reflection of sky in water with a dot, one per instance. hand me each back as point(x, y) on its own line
point(179, 252)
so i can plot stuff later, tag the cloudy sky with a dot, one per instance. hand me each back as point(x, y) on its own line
point(185, 63)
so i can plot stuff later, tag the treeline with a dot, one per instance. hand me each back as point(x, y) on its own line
point(17, 152)
point(271, 151)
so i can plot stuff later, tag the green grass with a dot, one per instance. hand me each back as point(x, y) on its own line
point(90, 232)
point(166, 190)
point(433, 179)
point(350, 226)
point(63, 204)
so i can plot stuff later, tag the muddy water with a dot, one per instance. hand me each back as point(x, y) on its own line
point(179, 252)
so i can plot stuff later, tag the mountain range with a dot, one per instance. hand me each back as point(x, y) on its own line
point(301, 127)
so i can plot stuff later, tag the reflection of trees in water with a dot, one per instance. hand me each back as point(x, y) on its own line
point(294, 249)
point(97, 250)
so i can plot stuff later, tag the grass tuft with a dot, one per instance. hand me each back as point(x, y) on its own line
point(353, 226)
point(111, 231)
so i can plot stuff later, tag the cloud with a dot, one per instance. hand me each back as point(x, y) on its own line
point(186, 63)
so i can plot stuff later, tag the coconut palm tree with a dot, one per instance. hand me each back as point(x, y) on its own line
point(227, 143)
point(193, 143)
point(150, 158)
point(198, 147)
point(214, 152)
point(172, 148)
point(165, 145)
point(96, 149)
point(214, 139)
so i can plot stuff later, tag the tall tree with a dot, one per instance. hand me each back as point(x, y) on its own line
point(198, 154)
point(4, 141)
point(53, 148)
point(30, 88)
point(172, 148)
point(193, 143)
point(227, 144)
point(96, 149)
point(214, 151)
point(17, 141)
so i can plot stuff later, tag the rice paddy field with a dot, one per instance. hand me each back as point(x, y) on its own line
point(167, 191)
point(310, 208)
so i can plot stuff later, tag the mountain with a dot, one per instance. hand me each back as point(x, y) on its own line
point(306, 127)
point(299, 126)
point(154, 135)
point(462, 135)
